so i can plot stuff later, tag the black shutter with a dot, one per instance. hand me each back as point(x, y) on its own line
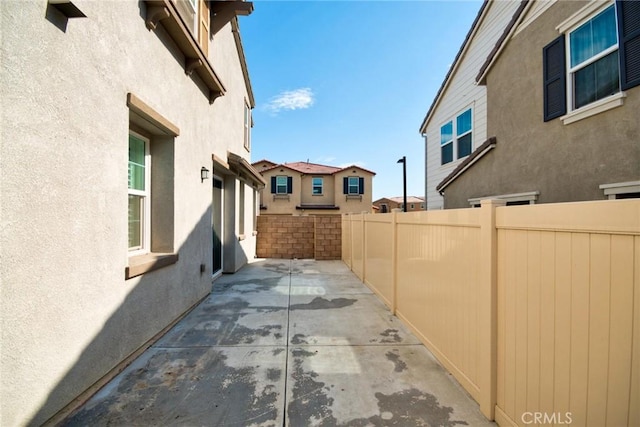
point(345, 185)
point(273, 185)
point(289, 185)
point(553, 69)
point(361, 185)
point(629, 37)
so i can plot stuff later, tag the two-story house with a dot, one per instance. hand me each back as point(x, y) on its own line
point(388, 204)
point(563, 94)
point(456, 122)
point(126, 183)
point(303, 188)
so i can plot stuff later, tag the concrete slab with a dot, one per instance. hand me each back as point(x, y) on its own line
point(327, 284)
point(309, 266)
point(253, 284)
point(374, 386)
point(205, 326)
point(297, 343)
point(344, 320)
point(193, 386)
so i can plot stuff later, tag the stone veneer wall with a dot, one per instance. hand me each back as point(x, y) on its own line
point(286, 236)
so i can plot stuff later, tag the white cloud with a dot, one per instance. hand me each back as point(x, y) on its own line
point(291, 100)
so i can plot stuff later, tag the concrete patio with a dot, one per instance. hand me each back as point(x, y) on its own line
point(285, 342)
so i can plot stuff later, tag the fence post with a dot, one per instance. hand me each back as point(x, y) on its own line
point(364, 247)
point(351, 241)
point(394, 262)
point(488, 306)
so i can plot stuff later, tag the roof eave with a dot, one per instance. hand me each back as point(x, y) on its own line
point(463, 48)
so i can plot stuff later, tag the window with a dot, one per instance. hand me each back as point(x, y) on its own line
point(139, 194)
point(593, 52)
point(281, 184)
point(412, 206)
point(603, 58)
point(446, 143)
point(384, 208)
point(317, 187)
point(353, 185)
point(241, 209)
point(150, 189)
point(462, 128)
point(463, 133)
point(247, 126)
point(621, 190)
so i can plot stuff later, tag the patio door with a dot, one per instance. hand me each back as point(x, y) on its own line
point(216, 222)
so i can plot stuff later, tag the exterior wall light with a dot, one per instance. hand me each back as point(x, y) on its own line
point(204, 174)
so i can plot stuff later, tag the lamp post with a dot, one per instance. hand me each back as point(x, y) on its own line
point(403, 160)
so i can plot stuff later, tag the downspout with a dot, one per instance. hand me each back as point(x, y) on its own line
point(426, 173)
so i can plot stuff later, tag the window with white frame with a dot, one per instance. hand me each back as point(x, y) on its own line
point(241, 210)
point(317, 186)
point(247, 126)
point(281, 185)
point(456, 137)
point(354, 185)
point(139, 193)
point(593, 59)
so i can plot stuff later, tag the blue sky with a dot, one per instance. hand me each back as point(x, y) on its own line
point(349, 82)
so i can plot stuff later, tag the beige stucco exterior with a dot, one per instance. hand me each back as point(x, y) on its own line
point(69, 316)
point(562, 162)
point(302, 199)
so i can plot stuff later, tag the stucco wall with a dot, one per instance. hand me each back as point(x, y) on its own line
point(68, 314)
point(562, 162)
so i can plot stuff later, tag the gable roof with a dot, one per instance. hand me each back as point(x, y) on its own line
point(400, 199)
point(456, 63)
point(502, 41)
point(308, 168)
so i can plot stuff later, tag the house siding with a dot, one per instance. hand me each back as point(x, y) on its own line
point(462, 93)
point(562, 162)
point(68, 314)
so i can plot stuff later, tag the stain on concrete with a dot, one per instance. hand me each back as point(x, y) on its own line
point(238, 304)
point(409, 407)
point(248, 286)
point(299, 339)
point(390, 336)
point(277, 351)
point(212, 329)
point(274, 374)
point(310, 402)
point(319, 303)
point(186, 387)
point(394, 357)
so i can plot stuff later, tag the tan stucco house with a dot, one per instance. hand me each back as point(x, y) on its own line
point(563, 95)
point(303, 188)
point(126, 183)
point(387, 204)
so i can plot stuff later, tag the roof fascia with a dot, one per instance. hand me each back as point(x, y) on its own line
point(509, 31)
point(235, 29)
point(456, 62)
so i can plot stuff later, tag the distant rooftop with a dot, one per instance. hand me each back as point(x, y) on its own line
point(306, 168)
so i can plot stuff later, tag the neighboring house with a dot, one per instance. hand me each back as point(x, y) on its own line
point(456, 122)
point(563, 90)
point(387, 204)
point(304, 188)
point(126, 183)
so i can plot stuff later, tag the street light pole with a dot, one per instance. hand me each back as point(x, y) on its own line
point(403, 160)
